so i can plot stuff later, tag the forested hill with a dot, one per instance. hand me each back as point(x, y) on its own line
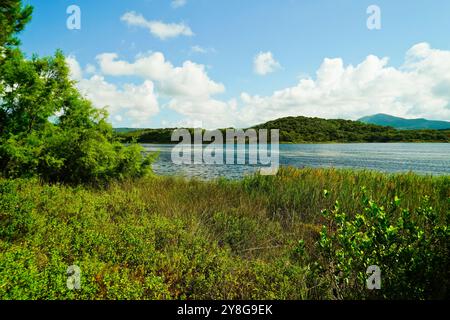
point(405, 124)
point(303, 129)
point(309, 130)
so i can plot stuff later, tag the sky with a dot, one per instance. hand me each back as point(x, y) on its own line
point(221, 63)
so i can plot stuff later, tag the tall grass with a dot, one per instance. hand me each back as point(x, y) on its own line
point(171, 238)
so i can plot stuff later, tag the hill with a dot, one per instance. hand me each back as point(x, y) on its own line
point(405, 124)
point(315, 130)
point(303, 129)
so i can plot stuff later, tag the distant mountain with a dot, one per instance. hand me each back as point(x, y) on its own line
point(405, 124)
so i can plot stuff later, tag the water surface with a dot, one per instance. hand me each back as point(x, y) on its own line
point(422, 158)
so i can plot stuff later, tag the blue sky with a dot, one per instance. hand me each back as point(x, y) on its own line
point(223, 41)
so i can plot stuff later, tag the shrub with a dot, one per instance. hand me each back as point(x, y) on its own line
point(16, 218)
point(410, 248)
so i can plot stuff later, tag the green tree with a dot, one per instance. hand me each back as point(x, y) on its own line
point(13, 18)
point(47, 128)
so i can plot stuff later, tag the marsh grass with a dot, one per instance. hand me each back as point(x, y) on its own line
point(171, 238)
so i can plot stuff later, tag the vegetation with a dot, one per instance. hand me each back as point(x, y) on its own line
point(263, 237)
point(411, 247)
point(13, 18)
point(309, 130)
point(406, 124)
point(302, 129)
point(47, 129)
point(138, 236)
point(162, 136)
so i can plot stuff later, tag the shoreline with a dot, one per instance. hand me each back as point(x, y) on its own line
point(300, 143)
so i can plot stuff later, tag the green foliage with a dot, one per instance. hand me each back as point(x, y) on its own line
point(16, 218)
point(309, 130)
point(237, 232)
point(298, 195)
point(147, 135)
point(410, 247)
point(303, 129)
point(131, 253)
point(47, 129)
point(13, 18)
point(169, 238)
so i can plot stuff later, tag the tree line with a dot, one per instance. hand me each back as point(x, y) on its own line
point(310, 130)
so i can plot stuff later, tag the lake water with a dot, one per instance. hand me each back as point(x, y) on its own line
point(422, 158)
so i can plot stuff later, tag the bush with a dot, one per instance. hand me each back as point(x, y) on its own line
point(16, 219)
point(410, 248)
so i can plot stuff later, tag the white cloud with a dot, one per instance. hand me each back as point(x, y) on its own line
point(201, 50)
point(188, 87)
point(264, 63)
point(90, 69)
point(419, 88)
point(178, 3)
point(137, 102)
point(157, 28)
point(198, 49)
point(188, 80)
point(75, 69)
point(212, 113)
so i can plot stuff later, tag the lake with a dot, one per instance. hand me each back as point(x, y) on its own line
point(422, 158)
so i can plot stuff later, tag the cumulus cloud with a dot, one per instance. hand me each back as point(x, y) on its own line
point(157, 28)
point(418, 88)
point(188, 80)
point(137, 102)
point(264, 63)
point(75, 69)
point(188, 87)
point(178, 3)
point(212, 113)
point(90, 69)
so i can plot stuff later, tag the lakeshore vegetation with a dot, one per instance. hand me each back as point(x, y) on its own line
point(309, 130)
point(72, 194)
point(303, 234)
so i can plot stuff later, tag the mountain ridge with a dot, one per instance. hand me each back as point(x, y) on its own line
point(387, 120)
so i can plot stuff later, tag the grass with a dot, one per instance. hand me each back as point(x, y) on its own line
point(171, 238)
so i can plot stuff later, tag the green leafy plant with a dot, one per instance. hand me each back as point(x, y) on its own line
point(410, 247)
